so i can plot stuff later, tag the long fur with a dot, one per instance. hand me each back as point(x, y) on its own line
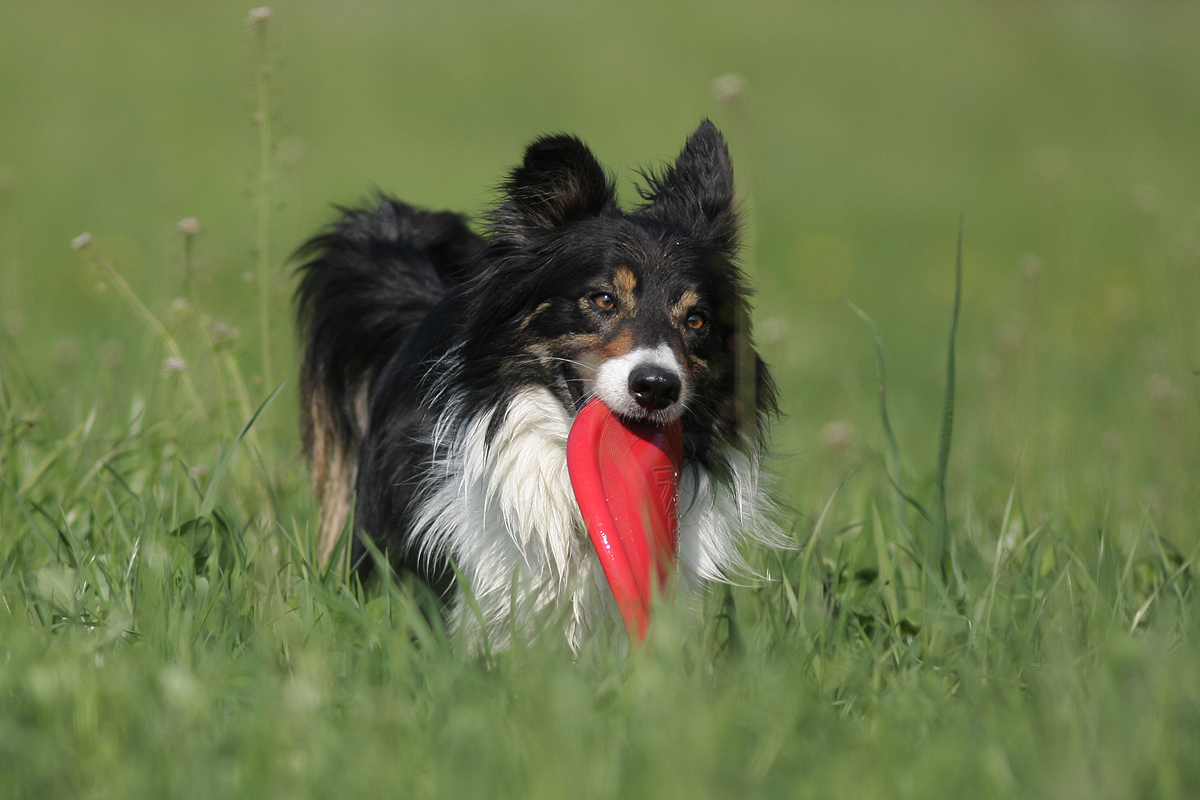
point(442, 370)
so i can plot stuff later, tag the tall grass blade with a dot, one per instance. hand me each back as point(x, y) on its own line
point(28, 515)
point(469, 597)
point(941, 531)
point(810, 547)
point(210, 496)
point(893, 451)
point(892, 455)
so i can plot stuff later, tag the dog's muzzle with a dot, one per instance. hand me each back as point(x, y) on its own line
point(645, 383)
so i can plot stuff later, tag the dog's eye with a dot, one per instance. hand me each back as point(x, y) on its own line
point(696, 321)
point(604, 300)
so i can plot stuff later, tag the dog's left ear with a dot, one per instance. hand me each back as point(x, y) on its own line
point(696, 193)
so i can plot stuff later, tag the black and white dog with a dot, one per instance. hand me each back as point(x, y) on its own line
point(443, 368)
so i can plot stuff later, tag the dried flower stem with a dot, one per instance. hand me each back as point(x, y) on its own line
point(262, 119)
point(156, 325)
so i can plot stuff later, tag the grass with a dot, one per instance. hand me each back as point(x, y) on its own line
point(164, 630)
point(159, 643)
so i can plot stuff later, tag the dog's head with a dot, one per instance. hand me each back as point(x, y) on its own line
point(645, 310)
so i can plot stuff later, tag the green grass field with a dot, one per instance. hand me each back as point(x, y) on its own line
point(164, 631)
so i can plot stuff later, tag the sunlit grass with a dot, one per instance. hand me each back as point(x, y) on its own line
point(165, 629)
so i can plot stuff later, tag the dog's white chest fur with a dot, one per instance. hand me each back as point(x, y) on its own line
point(506, 512)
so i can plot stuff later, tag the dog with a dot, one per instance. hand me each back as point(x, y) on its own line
point(442, 369)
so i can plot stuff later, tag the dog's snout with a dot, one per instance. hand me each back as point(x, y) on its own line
point(645, 383)
point(653, 387)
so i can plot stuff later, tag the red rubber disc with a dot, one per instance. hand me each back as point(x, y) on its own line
point(626, 480)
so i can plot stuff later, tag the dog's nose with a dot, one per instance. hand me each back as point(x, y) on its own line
point(654, 388)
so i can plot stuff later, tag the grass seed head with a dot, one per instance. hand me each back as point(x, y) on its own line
point(729, 87)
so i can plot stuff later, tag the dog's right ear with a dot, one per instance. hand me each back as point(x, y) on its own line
point(559, 181)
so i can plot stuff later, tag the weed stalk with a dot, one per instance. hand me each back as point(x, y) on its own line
point(262, 199)
point(937, 519)
point(176, 362)
point(941, 531)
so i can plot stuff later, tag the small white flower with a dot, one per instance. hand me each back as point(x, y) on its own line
point(14, 323)
point(178, 309)
point(839, 434)
point(774, 331)
point(1162, 388)
point(1030, 265)
point(728, 87)
point(260, 14)
point(223, 334)
point(81, 241)
point(189, 226)
point(173, 364)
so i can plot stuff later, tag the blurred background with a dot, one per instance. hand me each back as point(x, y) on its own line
point(1066, 135)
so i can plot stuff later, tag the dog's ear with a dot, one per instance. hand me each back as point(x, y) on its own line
point(696, 193)
point(560, 180)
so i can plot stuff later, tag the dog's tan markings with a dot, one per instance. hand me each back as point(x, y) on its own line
point(698, 367)
point(581, 341)
point(334, 465)
point(625, 282)
point(571, 345)
point(622, 344)
point(525, 322)
point(684, 305)
point(573, 348)
point(540, 349)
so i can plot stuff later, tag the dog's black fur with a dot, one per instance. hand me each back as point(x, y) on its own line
point(413, 325)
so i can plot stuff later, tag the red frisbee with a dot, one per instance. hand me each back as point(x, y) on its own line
point(626, 480)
